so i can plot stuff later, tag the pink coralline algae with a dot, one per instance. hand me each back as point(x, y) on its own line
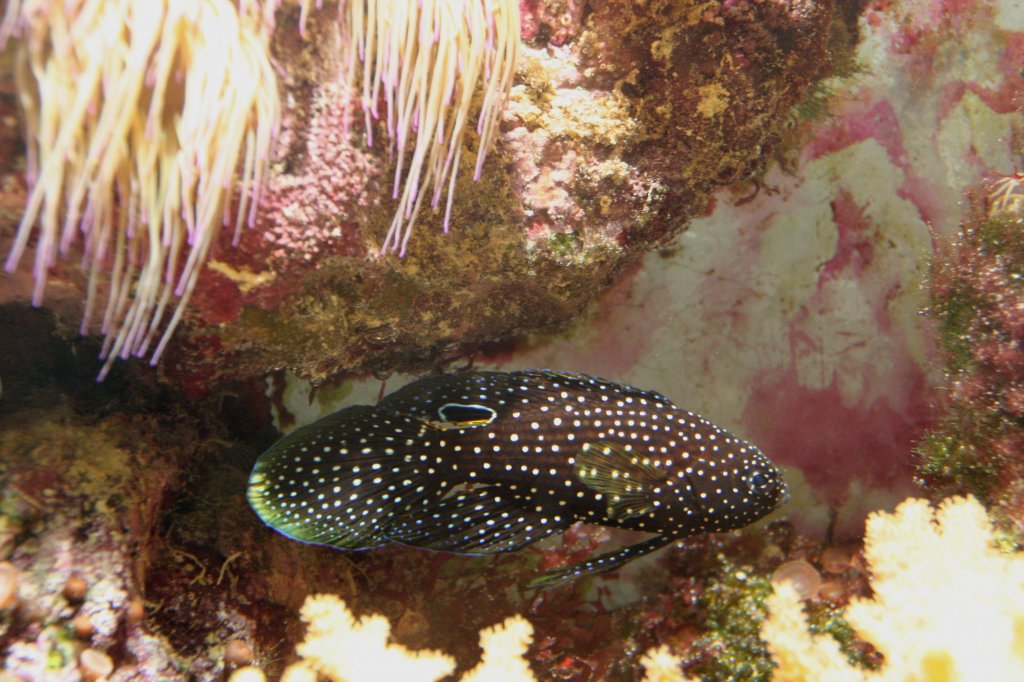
point(554, 22)
point(313, 211)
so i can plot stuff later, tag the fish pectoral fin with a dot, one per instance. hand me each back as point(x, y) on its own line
point(629, 482)
point(484, 520)
point(602, 563)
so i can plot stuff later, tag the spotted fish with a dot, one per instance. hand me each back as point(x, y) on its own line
point(483, 462)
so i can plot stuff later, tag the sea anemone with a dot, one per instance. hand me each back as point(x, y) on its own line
point(138, 115)
point(428, 59)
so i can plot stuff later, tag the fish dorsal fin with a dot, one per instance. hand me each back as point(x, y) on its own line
point(469, 400)
point(586, 382)
point(629, 481)
point(602, 563)
point(480, 521)
point(426, 396)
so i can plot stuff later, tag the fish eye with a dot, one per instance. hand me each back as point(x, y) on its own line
point(757, 480)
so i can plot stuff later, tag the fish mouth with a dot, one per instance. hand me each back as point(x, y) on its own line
point(784, 496)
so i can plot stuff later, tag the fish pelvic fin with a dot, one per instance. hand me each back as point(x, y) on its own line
point(609, 561)
point(585, 382)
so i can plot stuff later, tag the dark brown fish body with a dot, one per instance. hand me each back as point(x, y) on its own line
point(484, 462)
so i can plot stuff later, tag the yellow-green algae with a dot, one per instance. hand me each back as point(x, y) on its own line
point(734, 602)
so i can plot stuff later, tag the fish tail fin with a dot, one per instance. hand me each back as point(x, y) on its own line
point(339, 481)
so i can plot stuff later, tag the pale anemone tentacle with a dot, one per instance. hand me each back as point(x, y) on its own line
point(145, 119)
point(428, 60)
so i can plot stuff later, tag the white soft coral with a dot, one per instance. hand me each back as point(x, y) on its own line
point(947, 604)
